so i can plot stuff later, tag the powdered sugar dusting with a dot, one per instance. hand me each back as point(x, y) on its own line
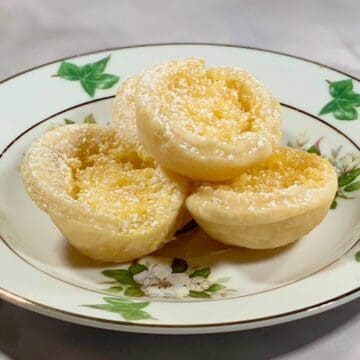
point(84, 169)
point(286, 167)
point(124, 114)
point(215, 104)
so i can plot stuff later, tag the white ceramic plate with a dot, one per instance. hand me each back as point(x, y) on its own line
point(232, 289)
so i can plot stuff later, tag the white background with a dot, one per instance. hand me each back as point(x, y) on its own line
point(36, 31)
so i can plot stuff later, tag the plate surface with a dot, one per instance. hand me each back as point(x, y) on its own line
point(230, 289)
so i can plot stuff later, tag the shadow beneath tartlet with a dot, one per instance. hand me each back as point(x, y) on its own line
point(195, 244)
point(262, 270)
point(75, 259)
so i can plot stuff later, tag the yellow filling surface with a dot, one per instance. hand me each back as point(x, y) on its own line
point(209, 104)
point(284, 168)
point(115, 181)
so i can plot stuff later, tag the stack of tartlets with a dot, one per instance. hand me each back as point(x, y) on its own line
point(184, 136)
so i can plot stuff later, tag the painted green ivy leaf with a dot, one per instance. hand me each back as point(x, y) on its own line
point(215, 287)
point(353, 186)
point(345, 100)
point(179, 265)
point(114, 289)
point(91, 76)
point(134, 291)
point(137, 268)
point(89, 119)
point(128, 309)
point(314, 150)
point(333, 205)
point(357, 256)
point(204, 272)
point(348, 177)
point(123, 276)
point(199, 294)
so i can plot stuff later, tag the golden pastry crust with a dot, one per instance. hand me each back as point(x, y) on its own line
point(124, 120)
point(269, 205)
point(108, 201)
point(124, 115)
point(205, 123)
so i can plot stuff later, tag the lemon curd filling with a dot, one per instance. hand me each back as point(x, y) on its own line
point(205, 123)
point(109, 201)
point(210, 104)
point(272, 204)
point(117, 182)
point(284, 168)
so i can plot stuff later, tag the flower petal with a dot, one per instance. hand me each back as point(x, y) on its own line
point(141, 277)
point(160, 271)
point(176, 291)
point(151, 280)
point(178, 279)
point(153, 291)
point(346, 160)
point(198, 283)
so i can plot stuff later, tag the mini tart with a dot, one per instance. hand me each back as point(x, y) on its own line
point(109, 202)
point(270, 205)
point(205, 123)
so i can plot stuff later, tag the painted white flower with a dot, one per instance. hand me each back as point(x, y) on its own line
point(346, 161)
point(159, 281)
point(302, 139)
point(198, 283)
point(179, 279)
point(355, 161)
point(156, 271)
point(335, 152)
point(174, 291)
point(332, 161)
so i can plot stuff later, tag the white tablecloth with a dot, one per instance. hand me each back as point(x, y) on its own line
point(36, 31)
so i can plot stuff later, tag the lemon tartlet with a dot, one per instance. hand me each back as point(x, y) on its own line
point(269, 205)
point(109, 202)
point(205, 123)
